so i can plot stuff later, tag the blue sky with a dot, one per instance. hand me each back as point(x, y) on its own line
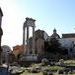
point(49, 14)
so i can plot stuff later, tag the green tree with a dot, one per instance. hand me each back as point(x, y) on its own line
point(54, 46)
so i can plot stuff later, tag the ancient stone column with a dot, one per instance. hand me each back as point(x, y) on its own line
point(29, 23)
point(27, 40)
point(33, 45)
point(23, 36)
point(23, 39)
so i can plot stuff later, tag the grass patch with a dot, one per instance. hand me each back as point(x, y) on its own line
point(69, 62)
point(27, 73)
point(55, 68)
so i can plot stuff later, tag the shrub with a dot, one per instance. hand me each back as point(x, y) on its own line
point(55, 68)
point(44, 61)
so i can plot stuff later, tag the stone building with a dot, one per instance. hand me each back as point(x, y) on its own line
point(40, 37)
point(39, 46)
point(1, 32)
point(55, 35)
point(41, 34)
point(67, 45)
point(17, 50)
point(69, 42)
point(6, 51)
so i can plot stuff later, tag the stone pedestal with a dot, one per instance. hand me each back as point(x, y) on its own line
point(30, 57)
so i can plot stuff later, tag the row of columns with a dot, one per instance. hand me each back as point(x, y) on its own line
point(26, 38)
